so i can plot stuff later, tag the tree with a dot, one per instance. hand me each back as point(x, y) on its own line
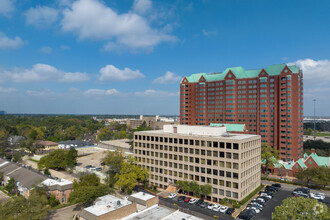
point(270, 156)
point(323, 176)
point(87, 189)
point(129, 175)
point(104, 134)
point(206, 189)
point(10, 186)
point(114, 159)
point(35, 207)
point(59, 159)
point(71, 158)
point(307, 174)
point(300, 208)
point(17, 157)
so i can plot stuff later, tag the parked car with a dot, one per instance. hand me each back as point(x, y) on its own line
point(266, 195)
point(245, 216)
point(253, 209)
point(216, 208)
point(299, 193)
point(211, 206)
point(318, 196)
point(92, 168)
point(264, 198)
point(230, 211)
point(255, 205)
point(175, 198)
point(181, 198)
point(283, 179)
point(192, 201)
point(98, 169)
point(172, 195)
point(261, 199)
point(88, 166)
point(204, 204)
point(187, 199)
point(249, 211)
point(259, 206)
point(258, 201)
point(276, 185)
point(199, 202)
point(223, 209)
point(304, 190)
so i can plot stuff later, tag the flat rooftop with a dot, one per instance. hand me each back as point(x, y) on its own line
point(181, 215)
point(152, 213)
point(61, 182)
point(106, 204)
point(143, 196)
point(199, 131)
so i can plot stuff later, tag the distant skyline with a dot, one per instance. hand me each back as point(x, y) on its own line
point(128, 56)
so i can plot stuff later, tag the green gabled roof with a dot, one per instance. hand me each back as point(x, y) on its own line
point(287, 166)
point(301, 163)
point(305, 155)
point(230, 127)
point(241, 73)
point(321, 161)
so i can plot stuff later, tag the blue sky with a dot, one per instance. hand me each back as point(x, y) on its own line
point(128, 56)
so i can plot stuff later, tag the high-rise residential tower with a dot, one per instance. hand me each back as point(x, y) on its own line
point(269, 101)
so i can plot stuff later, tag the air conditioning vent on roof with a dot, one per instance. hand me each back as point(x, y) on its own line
point(226, 134)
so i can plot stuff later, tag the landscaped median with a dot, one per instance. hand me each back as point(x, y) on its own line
point(247, 199)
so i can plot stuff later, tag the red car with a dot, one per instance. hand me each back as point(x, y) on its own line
point(187, 199)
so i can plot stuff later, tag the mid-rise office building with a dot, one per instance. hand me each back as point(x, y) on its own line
point(207, 155)
point(269, 101)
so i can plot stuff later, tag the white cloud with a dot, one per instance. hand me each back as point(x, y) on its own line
point(156, 93)
point(91, 19)
point(7, 90)
point(44, 92)
point(142, 6)
point(314, 71)
point(46, 50)
point(101, 92)
point(169, 77)
point(10, 43)
point(64, 47)
point(209, 33)
point(41, 16)
point(111, 73)
point(6, 7)
point(42, 73)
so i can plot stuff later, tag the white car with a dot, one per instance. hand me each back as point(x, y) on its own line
point(211, 206)
point(192, 201)
point(172, 195)
point(261, 199)
point(223, 209)
point(257, 204)
point(255, 209)
point(266, 195)
point(217, 208)
point(317, 196)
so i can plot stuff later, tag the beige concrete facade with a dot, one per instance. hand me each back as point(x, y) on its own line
point(230, 163)
point(153, 122)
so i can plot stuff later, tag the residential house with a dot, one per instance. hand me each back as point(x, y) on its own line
point(60, 188)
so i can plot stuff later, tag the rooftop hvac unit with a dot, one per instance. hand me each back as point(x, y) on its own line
point(226, 134)
point(118, 202)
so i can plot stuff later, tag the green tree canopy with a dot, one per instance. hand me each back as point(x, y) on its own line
point(269, 155)
point(59, 159)
point(88, 189)
point(300, 208)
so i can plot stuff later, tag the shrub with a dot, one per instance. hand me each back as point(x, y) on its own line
point(243, 201)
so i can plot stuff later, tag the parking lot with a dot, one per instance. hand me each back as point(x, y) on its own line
point(284, 192)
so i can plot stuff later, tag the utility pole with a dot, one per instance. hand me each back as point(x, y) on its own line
point(314, 100)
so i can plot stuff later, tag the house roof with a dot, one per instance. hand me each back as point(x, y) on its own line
point(301, 163)
point(27, 178)
point(241, 73)
point(321, 161)
point(47, 143)
point(287, 166)
point(230, 127)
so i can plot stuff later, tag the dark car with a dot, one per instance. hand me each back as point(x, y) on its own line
point(276, 185)
point(249, 212)
point(230, 211)
point(271, 188)
point(181, 198)
point(187, 199)
point(245, 216)
point(88, 166)
point(304, 190)
point(258, 201)
point(199, 202)
point(204, 204)
point(268, 192)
